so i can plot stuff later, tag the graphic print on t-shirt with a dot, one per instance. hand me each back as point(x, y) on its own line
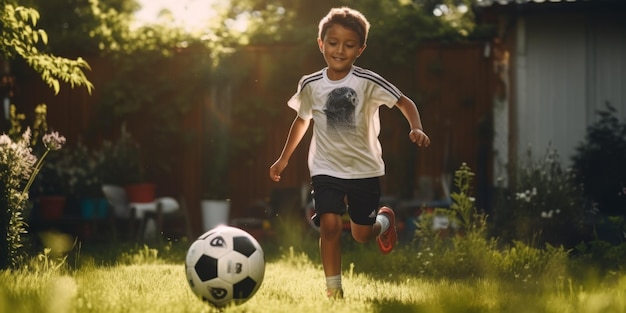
point(340, 107)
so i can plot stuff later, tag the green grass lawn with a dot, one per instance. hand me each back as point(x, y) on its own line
point(143, 281)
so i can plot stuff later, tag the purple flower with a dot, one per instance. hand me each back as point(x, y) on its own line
point(53, 141)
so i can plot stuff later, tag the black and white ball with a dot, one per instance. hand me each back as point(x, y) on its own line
point(225, 265)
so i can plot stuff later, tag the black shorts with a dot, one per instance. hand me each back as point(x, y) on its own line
point(362, 196)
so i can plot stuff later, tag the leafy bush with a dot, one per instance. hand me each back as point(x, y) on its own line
point(19, 167)
point(120, 162)
point(16, 165)
point(600, 163)
point(601, 256)
point(542, 204)
point(469, 252)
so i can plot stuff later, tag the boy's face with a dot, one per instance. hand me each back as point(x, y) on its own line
point(340, 47)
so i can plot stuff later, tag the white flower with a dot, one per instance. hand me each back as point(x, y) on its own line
point(53, 141)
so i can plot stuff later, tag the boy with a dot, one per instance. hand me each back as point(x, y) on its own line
point(345, 156)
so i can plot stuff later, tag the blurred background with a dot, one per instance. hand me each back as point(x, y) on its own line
point(199, 90)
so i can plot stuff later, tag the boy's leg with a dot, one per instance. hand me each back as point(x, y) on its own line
point(364, 233)
point(383, 229)
point(330, 251)
point(330, 243)
point(329, 197)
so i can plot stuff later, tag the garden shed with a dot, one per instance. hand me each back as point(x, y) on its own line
point(558, 62)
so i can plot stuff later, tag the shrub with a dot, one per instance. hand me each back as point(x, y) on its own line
point(600, 163)
point(16, 165)
point(542, 204)
point(469, 252)
point(18, 169)
point(120, 161)
point(74, 172)
point(601, 256)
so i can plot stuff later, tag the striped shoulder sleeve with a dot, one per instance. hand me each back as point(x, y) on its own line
point(301, 100)
point(307, 79)
point(378, 80)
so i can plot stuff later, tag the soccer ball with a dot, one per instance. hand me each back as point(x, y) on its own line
point(225, 265)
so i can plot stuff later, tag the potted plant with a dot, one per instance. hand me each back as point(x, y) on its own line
point(52, 178)
point(86, 175)
point(121, 164)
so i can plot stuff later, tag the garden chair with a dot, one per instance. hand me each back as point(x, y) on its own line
point(172, 218)
point(121, 210)
point(146, 220)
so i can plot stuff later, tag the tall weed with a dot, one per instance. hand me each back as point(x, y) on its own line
point(467, 251)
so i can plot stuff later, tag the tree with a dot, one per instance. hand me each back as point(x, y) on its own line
point(84, 27)
point(599, 162)
point(399, 24)
point(21, 38)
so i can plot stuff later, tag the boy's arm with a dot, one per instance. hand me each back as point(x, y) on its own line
point(296, 132)
point(412, 115)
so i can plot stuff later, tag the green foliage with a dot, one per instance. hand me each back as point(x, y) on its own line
point(599, 163)
point(16, 166)
point(465, 250)
point(153, 87)
point(140, 278)
point(542, 204)
point(403, 25)
point(532, 266)
point(294, 283)
point(21, 38)
point(601, 256)
point(463, 215)
point(120, 161)
point(85, 170)
point(412, 25)
point(463, 203)
point(599, 166)
point(75, 171)
point(19, 168)
point(462, 250)
point(458, 14)
point(47, 261)
point(83, 27)
point(141, 255)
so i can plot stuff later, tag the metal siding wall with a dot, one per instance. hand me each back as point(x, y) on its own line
point(551, 112)
point(607, 66)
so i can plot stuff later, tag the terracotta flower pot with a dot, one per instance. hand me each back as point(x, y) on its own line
point(141, 193)
point(52, 207)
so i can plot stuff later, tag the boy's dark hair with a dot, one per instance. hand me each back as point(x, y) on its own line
point(348, 18)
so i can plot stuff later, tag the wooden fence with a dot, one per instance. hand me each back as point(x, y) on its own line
point(451, 85)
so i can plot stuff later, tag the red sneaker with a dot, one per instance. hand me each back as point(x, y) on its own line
point(387, 240)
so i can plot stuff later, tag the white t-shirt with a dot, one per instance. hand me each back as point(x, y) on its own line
point(346, 122)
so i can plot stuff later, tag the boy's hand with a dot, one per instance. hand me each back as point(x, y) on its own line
point(419, 137)
point(276, 169)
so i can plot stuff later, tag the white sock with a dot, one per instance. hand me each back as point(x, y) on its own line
point(333, 282)
point(383, 220)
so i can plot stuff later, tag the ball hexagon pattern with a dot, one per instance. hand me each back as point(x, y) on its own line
point(225, 265)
